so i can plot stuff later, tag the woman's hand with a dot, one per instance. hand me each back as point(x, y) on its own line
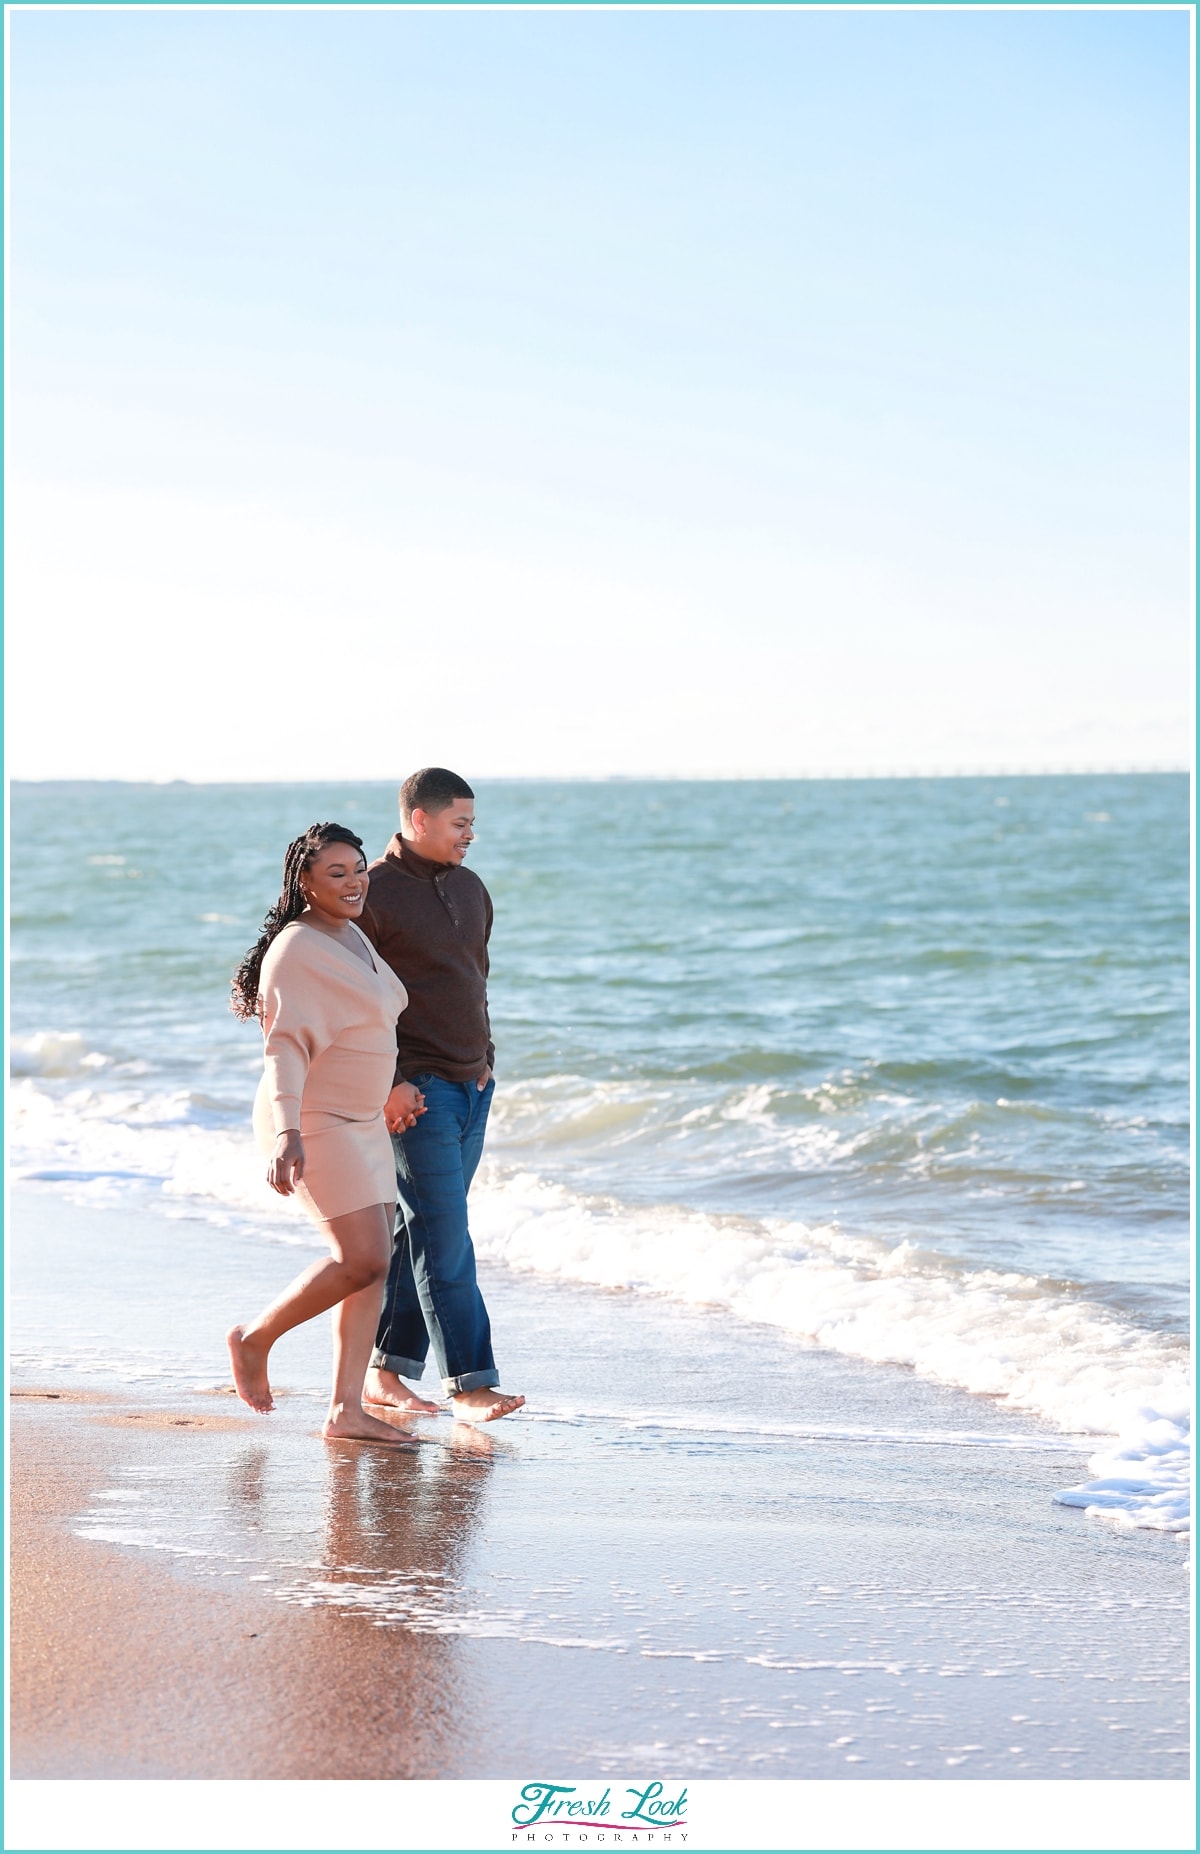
point(287, 1163)
point(403, 1107)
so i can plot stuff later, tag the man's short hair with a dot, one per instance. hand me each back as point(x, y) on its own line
point(431, 789)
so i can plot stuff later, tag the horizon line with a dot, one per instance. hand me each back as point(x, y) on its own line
point(660, 778)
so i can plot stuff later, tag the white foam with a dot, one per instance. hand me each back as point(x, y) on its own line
point(555, 1111)
point(1145, 1479)
point(703, 1422)
point(1027, 1344)
point(100, 1145)
point(51, 1052)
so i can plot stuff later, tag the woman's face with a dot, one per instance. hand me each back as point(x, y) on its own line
point(335, 882)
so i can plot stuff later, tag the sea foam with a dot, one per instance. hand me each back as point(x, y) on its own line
point(1033, 1345)
point(1030, 1345)
point(50, 1052)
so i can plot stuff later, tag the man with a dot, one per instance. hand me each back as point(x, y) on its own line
point(430, 919)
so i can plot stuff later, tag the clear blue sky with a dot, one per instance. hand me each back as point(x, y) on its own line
point(569, 392)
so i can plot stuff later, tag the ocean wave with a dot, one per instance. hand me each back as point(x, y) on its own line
point(1035, 1345)
point(102, 1146)
point(53, 1053)
point(1029, 1344)
point(856, 1121)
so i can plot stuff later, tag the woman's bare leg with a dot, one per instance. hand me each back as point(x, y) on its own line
point(313, 1292)
point(361, 1245)
point(355, 1321)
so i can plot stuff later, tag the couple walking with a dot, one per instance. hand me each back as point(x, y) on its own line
point(374, 1099)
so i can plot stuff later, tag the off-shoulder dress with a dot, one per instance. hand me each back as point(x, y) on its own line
point(329, 1048)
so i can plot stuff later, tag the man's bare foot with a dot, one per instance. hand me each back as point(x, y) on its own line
point(346, 1423)
point(386, 1388)
point(483, 1405)
point(249, 1363)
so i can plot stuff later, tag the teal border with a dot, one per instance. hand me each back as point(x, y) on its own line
point(1190, 7)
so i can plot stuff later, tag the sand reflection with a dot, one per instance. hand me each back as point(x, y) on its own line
point(407, 1517)
point(389, 1532)
point(369, 1549)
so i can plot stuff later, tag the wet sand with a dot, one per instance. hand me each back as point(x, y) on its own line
point(122, 1668)
point(703, 1551)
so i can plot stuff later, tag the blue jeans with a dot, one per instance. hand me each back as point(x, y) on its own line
point(432, 1294)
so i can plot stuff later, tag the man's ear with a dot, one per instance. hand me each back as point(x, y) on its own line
point(418, 821)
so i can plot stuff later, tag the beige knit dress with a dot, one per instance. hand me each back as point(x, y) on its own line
point(329, 1036)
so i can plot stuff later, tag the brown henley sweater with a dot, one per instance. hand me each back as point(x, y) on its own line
point(431, 923)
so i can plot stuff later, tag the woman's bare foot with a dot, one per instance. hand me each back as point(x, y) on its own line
point(347, 1423)
point(384, 1387)
point(249, 1363)
point(483, 1405)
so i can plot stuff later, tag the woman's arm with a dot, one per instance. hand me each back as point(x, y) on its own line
point(298, 1020)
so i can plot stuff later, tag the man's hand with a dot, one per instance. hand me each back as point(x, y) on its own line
point(481, 1081)
point(403, 1107)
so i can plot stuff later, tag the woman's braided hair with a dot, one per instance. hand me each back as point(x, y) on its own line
point(290, 906)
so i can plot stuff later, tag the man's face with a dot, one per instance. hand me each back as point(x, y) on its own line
point(445, 836)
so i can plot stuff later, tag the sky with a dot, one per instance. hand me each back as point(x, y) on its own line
point(585, 393)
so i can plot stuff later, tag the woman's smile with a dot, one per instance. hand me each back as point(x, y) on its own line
point(335, 883)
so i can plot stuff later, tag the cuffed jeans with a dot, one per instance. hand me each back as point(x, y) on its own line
point(432, 1294)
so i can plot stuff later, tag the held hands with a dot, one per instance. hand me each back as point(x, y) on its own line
point(403, 1107)
point(287, 1163)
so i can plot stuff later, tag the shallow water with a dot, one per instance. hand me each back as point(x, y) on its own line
point(899, 1066)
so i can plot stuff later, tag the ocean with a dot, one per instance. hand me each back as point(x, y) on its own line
point(833, 1220)
point(900, 1067)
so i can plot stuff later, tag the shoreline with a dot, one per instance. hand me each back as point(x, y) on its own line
point(647, 1569)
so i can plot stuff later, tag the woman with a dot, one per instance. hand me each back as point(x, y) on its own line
point(328, 1008)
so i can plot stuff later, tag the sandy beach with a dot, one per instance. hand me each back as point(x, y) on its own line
point(747, 1558)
